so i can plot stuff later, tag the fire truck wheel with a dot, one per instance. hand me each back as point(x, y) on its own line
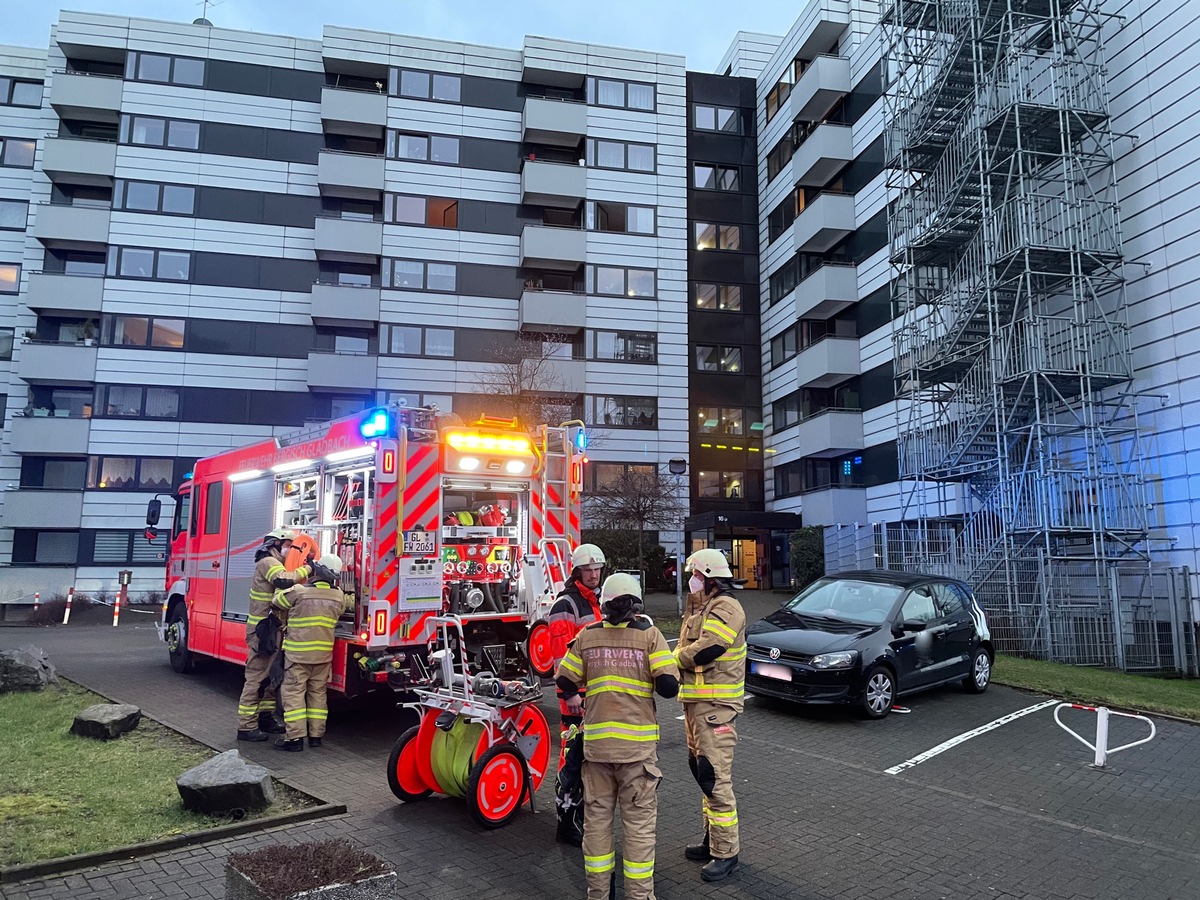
point(538, 650)
point(177, 640)
point(497, 785)
point(403, 777)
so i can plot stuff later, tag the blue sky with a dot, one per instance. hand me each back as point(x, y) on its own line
point(698, 29)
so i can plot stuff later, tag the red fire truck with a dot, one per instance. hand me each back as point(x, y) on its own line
point(430, 517)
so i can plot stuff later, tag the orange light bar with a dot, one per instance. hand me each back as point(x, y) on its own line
point(490, 443)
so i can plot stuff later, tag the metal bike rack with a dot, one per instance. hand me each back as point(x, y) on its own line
point(1101, 748)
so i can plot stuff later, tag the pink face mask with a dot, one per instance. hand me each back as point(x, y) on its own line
point(696, 584)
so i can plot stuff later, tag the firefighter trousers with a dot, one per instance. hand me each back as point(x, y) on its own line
point(257, 694)
point(305, 707)
point(632, 788)
point(711, 737)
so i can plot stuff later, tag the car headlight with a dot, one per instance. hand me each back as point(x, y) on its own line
point(842, 660)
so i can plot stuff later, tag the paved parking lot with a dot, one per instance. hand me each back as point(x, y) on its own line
point(1013, 813)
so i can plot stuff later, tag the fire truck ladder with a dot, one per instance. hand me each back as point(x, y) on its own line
point(556, 484)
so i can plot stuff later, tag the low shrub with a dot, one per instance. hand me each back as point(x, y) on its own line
point(283, 871)
point(51, 612)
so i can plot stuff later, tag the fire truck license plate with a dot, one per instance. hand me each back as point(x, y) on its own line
point(418, 542)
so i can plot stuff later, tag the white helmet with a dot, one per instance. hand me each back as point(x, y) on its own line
point(620, 584)
point(710, 563)
point(279, 534)
point(332, 562)
point(587, 555)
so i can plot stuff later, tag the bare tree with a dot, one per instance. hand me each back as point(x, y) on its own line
point(524, 381)
point(640, 501)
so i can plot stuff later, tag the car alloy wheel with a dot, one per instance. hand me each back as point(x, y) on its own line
point(878, 693)
point(981, 672)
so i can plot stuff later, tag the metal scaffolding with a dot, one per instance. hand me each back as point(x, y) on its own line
point(1020, 454)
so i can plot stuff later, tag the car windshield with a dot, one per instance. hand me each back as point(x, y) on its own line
point(861, 602)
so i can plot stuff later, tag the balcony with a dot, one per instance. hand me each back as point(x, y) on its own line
point(552, 183)
point(44, 362)
point(552, 62)
point(69, 295)
point(824, 83)
point(826, 291)
point(96, 98)
point(359, 176)
point(344, 304)
point(49, 435)
point(565, 376)
point(833, 505)
point(556, 312)
point(556, 123)
point(551, 247)
point(822, 155)
point(39, 508)
point(69, 160)
point(828, 362)
point(358, 113)
point(66, 227)
point(330, 371)
point(353, 240)
point(831, 432)
point(825, 221)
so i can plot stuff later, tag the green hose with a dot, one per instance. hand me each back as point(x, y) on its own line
point(452, 753)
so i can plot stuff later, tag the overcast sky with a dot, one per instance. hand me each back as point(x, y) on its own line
point(698, 29)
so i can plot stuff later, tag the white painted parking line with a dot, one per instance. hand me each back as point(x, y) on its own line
point(966, 736)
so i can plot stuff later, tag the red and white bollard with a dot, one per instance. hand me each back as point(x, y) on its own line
point(37, 600)
point(67, 611)
point(117, 607)
point(1101, 748)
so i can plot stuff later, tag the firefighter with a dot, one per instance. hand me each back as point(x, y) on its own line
point(619, 661)
point(712, 660)
point(313, 611)
point(256, 706)
point(575, 607)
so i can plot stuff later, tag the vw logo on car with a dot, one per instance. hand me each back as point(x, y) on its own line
point(774, 653)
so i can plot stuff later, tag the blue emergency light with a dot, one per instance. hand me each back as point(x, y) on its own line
point(377, 424)
point(581, 440)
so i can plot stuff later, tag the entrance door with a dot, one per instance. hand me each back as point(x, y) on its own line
point(744, 561)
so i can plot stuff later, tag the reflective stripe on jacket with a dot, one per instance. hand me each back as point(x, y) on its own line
point(313, 612)
point(716, 622)
point(617, 665)
point(263, 590)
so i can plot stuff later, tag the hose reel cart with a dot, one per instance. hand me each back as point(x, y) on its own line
point(479, 738)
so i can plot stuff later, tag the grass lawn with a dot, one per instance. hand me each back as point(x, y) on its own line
point(1099, 687)
point(61, 794)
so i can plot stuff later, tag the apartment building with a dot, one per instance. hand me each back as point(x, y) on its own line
point(210, 236)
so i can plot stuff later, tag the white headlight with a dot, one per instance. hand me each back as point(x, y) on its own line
point(468, 463)
point(841, 660)
point(515, 467)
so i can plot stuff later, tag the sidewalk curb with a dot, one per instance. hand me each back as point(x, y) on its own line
point(12, 874)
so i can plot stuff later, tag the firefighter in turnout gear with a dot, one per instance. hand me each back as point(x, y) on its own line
point(620, 662)
point(256, 706)
point(313, 612)
point(712, 661)
point(576, 607)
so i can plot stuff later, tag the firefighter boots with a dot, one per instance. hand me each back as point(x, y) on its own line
point(698, 852)
point(293, 746)
point(268, 723)
point(314, 742)
point(251, 734)
point(719, 868)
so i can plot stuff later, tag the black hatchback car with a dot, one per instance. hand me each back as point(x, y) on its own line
point(866, 638)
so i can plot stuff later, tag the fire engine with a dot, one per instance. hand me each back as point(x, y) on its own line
point(431, 517)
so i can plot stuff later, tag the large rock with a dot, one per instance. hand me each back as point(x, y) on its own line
point(27, 668)
point(106, 721)
point(226, 784)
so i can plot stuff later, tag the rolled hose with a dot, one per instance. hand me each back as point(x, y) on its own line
point(452, 753)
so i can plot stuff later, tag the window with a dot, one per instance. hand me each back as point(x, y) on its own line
point(140, 331)
point(721, 485)
point(602, 154)
point(622, 94)
point(148, 196)
point(415, 275)
point(718, 359)
point(17, 153)
point(6, 343)
point(715, 178)
point(149, 131)
point(14, 92)
point(131, 401)
point(425, 85)
point(129, 473)
point(605, 477)
point(716, 118)
point(625, 346)
point(212, 507)
point(425, 148)
point(710, 236)
point(51, 473)
point(619, 217)
point(164, 69)
point(949, 600)
point(617, 281)
point(48, 547)
point(438, 212)
point(727, 420)
point(128, 547)
point(10, 278)
point(723, 297)
point(412, 340)
point(13, 215)
point(139, 262)
point(624, 412)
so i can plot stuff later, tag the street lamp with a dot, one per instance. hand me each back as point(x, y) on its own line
point(677, 466)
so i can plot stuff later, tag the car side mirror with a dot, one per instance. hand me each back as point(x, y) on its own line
point(913, 625)
point(153, 511)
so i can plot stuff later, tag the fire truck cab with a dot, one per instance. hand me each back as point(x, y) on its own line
point(430, 517)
